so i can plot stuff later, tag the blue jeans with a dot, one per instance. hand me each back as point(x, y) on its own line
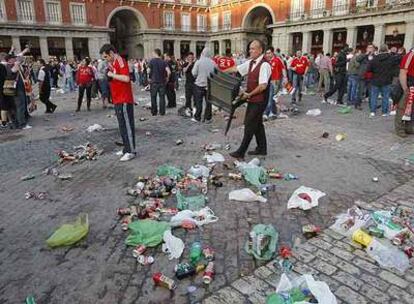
point(271, 105)
point(385, 93)
point(297, 84)
point(353, 86)
point(70, 84)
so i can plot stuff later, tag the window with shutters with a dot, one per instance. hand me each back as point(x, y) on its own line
point(297, 10)
point(318, 7)
point(214, 22)
point(340, 7)
point(227, 20)
point(25, 11)
point(53, 12)
point(169, 20)
point(78, 13)
point(3, 16)
point(201, 23)
point(185, 22)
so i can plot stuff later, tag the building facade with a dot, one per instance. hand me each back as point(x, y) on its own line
point(77, 28)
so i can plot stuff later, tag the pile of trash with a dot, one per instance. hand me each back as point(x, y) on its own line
point(80, 153)
point(386, 235)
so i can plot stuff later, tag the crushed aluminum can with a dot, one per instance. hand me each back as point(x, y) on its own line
point(123, 211)
point(208, 253)
point(138, 250)
point(125, 222)
point(163, 281)
point(208, 273)
point(145, 260)
point(400, 238)
point(27, 177)
point(235, 176)
point(409, 251)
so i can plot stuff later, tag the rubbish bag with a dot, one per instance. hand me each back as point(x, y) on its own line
point(347, 223)
point(262, 242)
point(95, 127)
point(193, 203)
point(345, 110)
point(388, 256)
point(173, 246)
point(246, 195)
point(199, 171)
point(314, 112)
point(69, 234)
point(201, 217)
point(170, 171)
point(305, 198)
point(146, 232)
point(213, 157)
point(252, 172)
point(383, 219)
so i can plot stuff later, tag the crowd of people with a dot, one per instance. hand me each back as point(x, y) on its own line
point(380, 76)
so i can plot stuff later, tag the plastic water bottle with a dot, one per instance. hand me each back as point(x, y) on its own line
point(388, 256)
point(196, 252)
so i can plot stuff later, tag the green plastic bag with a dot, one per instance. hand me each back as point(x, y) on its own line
point(193, 203)
point(257, 176)
point(269, 233)
point(146, 232)
point(170, 171)
point(69, 234)
point(345, 110)
point(275, 298)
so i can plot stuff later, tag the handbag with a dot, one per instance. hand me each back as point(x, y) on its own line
point(10, 88)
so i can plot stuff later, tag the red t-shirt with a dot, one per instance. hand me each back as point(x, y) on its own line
point(277, 68)
point(300, 64)
point(407, 63)
point(84, 75)
point(223, 62)
point(121, 92)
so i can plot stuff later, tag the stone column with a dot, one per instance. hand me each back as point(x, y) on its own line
point(351, 36)
point(16, 43)
point(409, 35)
point(327, 41)
point(69, 48)
point(275, 40)
point(177, 49)
point(285, 42)
point(44, 49)
point(93, 48)
point(243, 46)
point(306, 41)
point(379, 34)
point(193, 46)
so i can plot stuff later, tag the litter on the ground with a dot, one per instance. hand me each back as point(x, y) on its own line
point(246, 195)
point(82, 152)
point(27, 177)
point(262, 242)
point(172, 246)
point(70, 234)
point(314, 112)
point(36, 195)
point(340, 137)
point(305, 198)
point(213, 157)
point(95, 127)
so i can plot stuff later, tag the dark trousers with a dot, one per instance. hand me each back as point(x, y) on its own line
point(82, 89)
point(157, 89)
point(189, 94)
point(125, 115)
point(200, 94)
point(340, 86)
point(253, 126)
point(44, 97)
point(20, 119)
point(171, 97)
point(55, 81)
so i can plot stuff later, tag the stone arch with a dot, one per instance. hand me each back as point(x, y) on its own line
point(247, 15)
point(140, 17)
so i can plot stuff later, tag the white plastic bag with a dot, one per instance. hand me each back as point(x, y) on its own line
point(199, 171)
point(314, 112)
point(200, 218)
point(246, 195)
point(213, 157)
point(388, 256)
point(349, 222)
point(95, 127)
point(173, 246)
point(305, 198)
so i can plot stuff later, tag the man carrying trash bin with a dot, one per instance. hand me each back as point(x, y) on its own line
point(122, 98)
point(258, 72)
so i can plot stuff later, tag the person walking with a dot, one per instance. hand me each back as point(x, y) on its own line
point(258, 72)
point(381, 67)
point(324, 66)
point(172, 81)
point(278, 70)
point(299, 67)
point(84, 79)
point(159, 73)
point(189, 83)
point(201, 71)
point(122, 98)
point(44, 86)
point(339, 76)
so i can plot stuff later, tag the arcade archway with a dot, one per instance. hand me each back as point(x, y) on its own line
point(255, 23)
point(126, 24)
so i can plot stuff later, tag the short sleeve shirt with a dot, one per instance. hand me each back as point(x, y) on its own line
point(407, 63)
point(121, 91)
point(277, 68)
point(42, 75)
point(265, 69)
point(300, 64)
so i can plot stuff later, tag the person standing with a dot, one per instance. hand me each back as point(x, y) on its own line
point(353, 81)
point(159, 73)
point(44, 86)
point(84, 79)
point(381, 67)
point(258, 72)
point(278, 69)
point(404, 118)
point(5, 103)
point(299, 66)
point(339, 76)
point(122, 98)
point(189, 83)
point(70, 84)
point(54, 72)
point(201, 71)
point(172, 81)
point(324, 65)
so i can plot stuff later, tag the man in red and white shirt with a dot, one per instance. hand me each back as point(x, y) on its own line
point(278, 71)
point(404, 120)
point(299, 66)
point(122, 98)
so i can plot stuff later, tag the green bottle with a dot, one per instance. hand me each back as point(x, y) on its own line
point(30, 300)
point(196, 253)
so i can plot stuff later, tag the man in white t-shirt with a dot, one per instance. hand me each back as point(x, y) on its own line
point(44, 86)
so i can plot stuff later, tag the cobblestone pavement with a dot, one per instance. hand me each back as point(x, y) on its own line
point(102, 270)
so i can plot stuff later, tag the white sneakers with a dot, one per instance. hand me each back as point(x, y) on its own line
point(27, 127)
point(119, 153)
point(127, 157)
point(372, 114)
